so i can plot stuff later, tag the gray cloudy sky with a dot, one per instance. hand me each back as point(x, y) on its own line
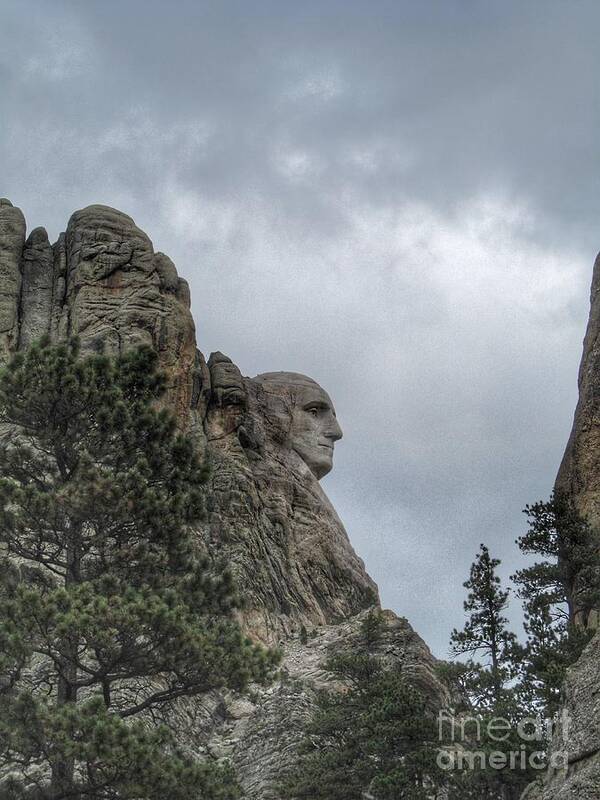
point(400, 199)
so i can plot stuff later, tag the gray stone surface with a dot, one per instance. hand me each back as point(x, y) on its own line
point(267, 511)
point(580, 780)
point(308, 414)
point(579, 473)
point(103, 282)
point(12, 238)
point(119, 294)
point(37, 272)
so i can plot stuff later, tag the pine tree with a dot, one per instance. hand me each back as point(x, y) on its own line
point(485, 633)
point(567, 580)
point(488, 679)
point(108, 611)
point(560, 594)
point(376, 740)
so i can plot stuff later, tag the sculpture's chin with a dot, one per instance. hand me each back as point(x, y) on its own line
point(319, 465)
point(323, 466)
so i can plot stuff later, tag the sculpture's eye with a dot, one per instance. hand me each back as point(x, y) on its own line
point(315, 409)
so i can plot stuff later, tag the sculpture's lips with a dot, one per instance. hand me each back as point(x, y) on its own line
point(327, 446)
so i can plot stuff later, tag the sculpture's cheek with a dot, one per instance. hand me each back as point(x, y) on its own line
point(317, 457)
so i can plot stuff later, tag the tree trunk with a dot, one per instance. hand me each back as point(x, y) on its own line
point(63, 769)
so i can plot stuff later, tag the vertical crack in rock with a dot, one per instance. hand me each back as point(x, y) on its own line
point(37, 276)
point(59, 290)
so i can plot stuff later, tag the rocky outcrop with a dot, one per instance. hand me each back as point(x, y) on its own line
point(268, 440)
point(37, 284)
point(574, 773)
point(103, 282)
point(269, 515)
point(268, 519)
point(578, 778)
point(12, 239)
point(579, 473)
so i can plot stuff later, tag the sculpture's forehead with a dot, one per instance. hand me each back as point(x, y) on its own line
point(304, 389)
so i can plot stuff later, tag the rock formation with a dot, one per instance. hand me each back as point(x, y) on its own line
point(576, 747)
point(579, 477)
point(579, 473)
point(267, 509)
point(268, 439)
point(103, 282)
point(12, 237)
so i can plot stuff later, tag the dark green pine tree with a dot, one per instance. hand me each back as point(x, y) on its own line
point(485, 635)
point(488, 680)
point(108, 612)
point(552, 646)
point(377, 739)
point(560, 594)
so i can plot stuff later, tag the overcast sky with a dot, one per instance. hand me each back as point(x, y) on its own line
point(400, 199)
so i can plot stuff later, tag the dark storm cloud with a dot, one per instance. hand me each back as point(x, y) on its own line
point(400, 199)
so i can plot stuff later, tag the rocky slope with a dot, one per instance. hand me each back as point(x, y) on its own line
point(268, 516)
point(260, 733)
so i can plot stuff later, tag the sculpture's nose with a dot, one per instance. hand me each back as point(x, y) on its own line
point(334, 432)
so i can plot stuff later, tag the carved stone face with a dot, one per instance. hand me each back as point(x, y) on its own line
point(314, 428)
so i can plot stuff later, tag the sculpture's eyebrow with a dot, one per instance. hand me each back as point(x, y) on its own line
point(316, 404)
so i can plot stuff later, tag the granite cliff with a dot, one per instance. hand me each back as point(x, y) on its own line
point(579, 472)
point(579, 477)
point(268, 439)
